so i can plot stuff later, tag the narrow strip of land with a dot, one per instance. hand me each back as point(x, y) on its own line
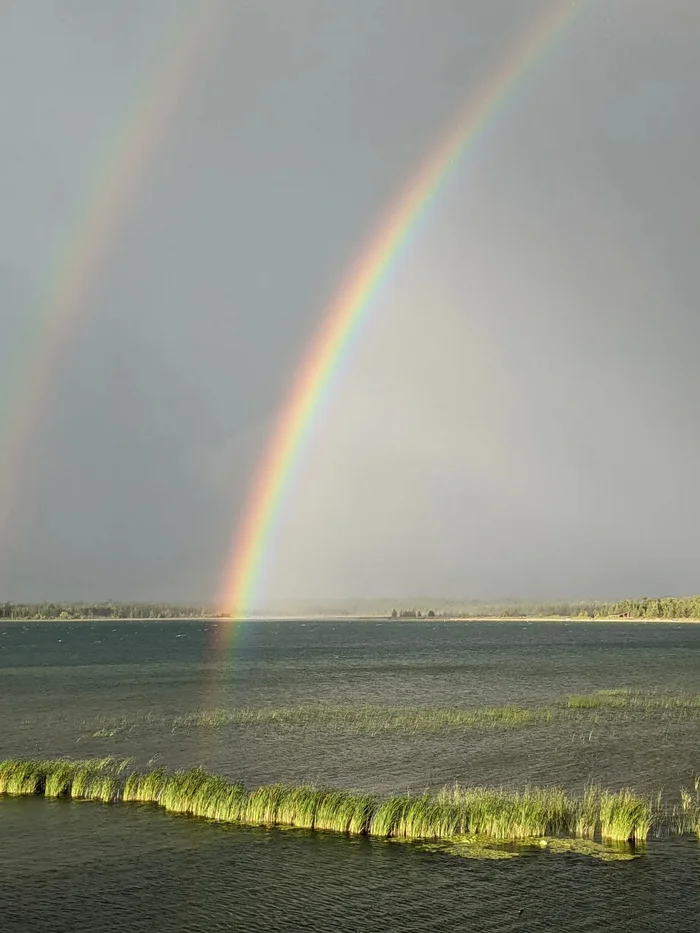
point(657, 609)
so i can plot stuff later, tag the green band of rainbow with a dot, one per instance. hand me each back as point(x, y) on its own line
point(352, 303)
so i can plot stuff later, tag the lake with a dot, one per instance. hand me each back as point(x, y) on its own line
point(317, 696)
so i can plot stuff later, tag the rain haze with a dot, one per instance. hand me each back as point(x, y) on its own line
point(517, 414)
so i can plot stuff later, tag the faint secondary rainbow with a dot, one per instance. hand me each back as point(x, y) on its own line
point(82, 254)
point(352, 303)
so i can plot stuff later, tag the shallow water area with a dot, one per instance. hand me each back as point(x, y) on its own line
point(71, 865)
point(60, 684)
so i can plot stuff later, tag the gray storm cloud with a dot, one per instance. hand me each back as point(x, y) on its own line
point(518, 414)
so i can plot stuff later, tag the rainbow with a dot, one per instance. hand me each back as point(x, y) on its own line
point(351, 305)
point(83, 253)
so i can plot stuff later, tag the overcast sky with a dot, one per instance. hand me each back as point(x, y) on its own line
point(520, 414)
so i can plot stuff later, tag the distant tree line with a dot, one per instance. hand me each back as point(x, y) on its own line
point(111, 610)
point(664, 607)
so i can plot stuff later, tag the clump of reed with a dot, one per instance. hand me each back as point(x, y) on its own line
point(502, 814)
point(587, 815)
point(690, 809)
point(92, 779)
point(449, 814)
point(625, 816)
point(23, 776)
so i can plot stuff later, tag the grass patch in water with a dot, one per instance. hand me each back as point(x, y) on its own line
point(452, 812)
point(363, 719)
point(93, 779)
point(688, 820)
point(502, 814)
point(588, 813)
point(634, 700)
point(376, 720)
point(345, 812)
point(625, 816)
point(22, 776)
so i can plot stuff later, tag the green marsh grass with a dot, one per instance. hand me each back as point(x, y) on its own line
point(625, 816)
point(634, 700)
point(23, 776)
point(501, 814)
point(344, 812)
point(689, 818)
point(263, 804)
point(365, 719)
point(86, 783)
point(376, 720)
point(59, 779)
point(454, 813)
point(96, 779)
point(587, 815)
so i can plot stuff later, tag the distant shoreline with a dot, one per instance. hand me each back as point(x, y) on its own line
point(382, 618)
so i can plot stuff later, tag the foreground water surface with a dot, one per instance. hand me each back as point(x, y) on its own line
point(131, 689)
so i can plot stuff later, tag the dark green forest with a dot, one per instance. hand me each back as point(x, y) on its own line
point(664, 607)
point(111, 610)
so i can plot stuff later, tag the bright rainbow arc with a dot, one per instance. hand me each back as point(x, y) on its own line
point(82, 257)
point(351, 305)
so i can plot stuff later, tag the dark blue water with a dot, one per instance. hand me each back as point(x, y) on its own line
point(73, 866)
